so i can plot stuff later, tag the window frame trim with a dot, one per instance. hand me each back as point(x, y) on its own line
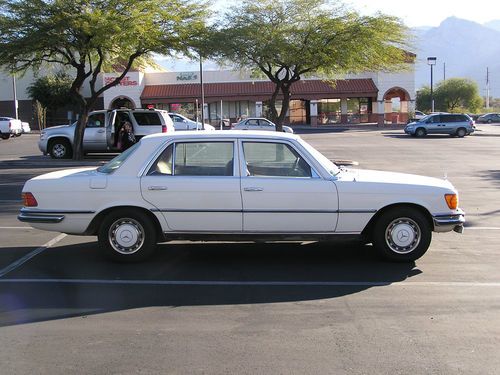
point(314, 173)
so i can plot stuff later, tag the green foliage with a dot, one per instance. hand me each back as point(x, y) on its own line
point(52, 92)
point(453, 95)
point(92, 36)
point(287, 39)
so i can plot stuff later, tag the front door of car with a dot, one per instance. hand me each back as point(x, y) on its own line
point(179, 122)
point(94, 137)
point(252, 124)
point(434, 125)
point(282, 193)
point(196, 187)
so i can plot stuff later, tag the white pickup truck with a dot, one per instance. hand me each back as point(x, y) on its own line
point(102, 130)
point(10, 126)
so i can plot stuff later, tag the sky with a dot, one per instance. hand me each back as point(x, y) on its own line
point(431, 12)
point(413, 13)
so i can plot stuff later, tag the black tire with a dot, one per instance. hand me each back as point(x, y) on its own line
point(402, 234)
point(4, 136)
point(420, 132)
point(489, 121)
point(461, 132)
point(60, 149)
point(138, 236)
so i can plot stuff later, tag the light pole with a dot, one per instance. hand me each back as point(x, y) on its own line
point(432, 61)
point(202, 95)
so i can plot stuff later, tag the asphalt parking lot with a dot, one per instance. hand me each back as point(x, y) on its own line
point(261, 308)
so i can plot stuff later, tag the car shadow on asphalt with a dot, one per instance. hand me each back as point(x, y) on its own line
point(74, 281)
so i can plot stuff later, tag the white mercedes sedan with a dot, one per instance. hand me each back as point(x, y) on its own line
point(238, 185)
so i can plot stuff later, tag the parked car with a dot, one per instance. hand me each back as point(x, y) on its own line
point(419, 115)
point(458, 125)
point(183, 123)
point(488, 118)
point(101, 131)
point(238, 186)
point(10, 127)
point(253, 123)
point(26, 127)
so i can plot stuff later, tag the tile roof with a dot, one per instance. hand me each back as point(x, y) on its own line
point(239, 90)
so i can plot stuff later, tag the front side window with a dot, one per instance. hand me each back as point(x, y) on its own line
point(266, 159)
point(204, 159)
point(96, 120)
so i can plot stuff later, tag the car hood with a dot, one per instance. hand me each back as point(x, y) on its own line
point(383, 177)
point(58, 127)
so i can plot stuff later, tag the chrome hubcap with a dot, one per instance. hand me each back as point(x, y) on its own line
point(126, 236)
point(59, 150)
point(402, 235)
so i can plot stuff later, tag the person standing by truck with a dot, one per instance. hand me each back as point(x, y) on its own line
point(126, 137)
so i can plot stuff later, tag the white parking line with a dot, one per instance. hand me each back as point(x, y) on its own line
point(256, 283)
point(24, 259)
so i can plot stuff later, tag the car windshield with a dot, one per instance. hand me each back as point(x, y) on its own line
point(115, 163)
point(330, 166)
point(424, 119)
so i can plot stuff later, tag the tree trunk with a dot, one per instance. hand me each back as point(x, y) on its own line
point(285, 105)
point(272, 103)
point(78, 137)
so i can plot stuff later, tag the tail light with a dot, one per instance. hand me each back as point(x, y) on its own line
point(29, 200)
point(164, 128)
point(10, 125)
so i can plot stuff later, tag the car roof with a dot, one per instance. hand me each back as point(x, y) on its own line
point(211, 134)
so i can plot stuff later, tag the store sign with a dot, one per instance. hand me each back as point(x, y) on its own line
point(126, 81)
point(187, 76)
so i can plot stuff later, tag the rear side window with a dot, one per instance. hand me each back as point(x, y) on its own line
point(147, 118)
point(204, 159)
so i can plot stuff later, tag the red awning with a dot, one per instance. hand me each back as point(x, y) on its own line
point(259, 91)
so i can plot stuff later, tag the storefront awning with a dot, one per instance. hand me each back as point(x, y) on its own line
point(259, 91)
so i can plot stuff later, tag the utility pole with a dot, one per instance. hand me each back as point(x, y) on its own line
point(487, 88)
point(202, 93)
point(14, 90)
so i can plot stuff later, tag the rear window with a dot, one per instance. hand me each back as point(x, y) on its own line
point(115, 163)
point(147, 118)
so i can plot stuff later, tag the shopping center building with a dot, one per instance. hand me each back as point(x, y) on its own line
point(373, 97)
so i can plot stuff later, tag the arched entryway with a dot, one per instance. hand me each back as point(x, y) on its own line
point(122, 102)
point(396, 105)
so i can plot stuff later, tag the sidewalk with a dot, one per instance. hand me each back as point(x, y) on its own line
point(343, 127)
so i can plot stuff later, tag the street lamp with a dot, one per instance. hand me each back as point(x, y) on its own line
point(432, 61)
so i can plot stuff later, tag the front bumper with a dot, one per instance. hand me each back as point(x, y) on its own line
point(448, 223)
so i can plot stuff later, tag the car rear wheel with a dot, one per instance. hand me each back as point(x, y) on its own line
point(420, 132)
point(60, 149)
point(402, 234)
point(127, 236)
point(4, 136)
point(461, 132)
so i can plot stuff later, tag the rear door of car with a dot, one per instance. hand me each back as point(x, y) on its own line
point(282, 193)
point(196, 186)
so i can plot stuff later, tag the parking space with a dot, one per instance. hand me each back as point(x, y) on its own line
point(223, 307)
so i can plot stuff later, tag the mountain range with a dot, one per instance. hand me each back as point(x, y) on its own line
point(463, 49)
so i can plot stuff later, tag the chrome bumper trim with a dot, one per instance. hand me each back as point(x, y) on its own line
point(447, 223)
point(39, 218)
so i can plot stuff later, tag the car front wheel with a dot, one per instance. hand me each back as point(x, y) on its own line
point(60, 149)
point(402, 234)
point(420, 132)
point(127, 236)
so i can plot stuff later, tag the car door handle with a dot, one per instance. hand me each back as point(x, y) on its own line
point(253, 189)
point(157, 188)
point(100, 131)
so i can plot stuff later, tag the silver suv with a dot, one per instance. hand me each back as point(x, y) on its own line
point(101, 131)
point(458, 125)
